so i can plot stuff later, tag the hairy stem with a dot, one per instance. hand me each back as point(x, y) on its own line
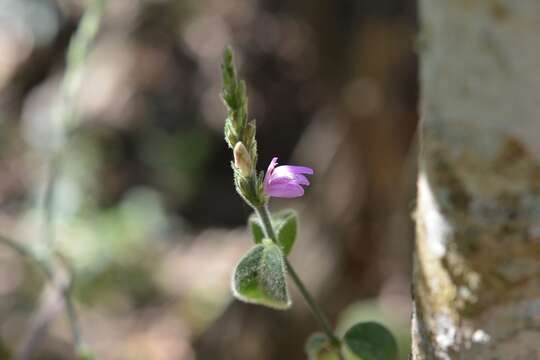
point(264, 215)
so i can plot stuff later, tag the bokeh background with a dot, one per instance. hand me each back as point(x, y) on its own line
point(145, 207)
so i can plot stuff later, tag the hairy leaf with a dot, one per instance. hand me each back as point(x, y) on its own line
point(259, 277)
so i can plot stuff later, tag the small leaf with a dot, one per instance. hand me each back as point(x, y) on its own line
point(318, 347)
point(286, 224)
point(259, 277)
point(256, 228)
point(371, 341)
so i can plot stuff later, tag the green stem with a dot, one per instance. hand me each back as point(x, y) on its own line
point(264, 215)
point(317, 312)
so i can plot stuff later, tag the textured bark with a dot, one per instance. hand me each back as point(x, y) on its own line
point(477, 275)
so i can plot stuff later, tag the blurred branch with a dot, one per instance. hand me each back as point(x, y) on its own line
point(48, 201)
point(28, 253)
point(77, 53)
point(51, 305)
point(57, 269)
point(55, 296)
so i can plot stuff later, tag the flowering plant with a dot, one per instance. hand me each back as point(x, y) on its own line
point(260, 275)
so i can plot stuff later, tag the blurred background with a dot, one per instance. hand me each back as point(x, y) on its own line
point(145, 208)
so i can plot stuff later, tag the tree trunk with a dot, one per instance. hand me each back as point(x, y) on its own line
point(477, 266)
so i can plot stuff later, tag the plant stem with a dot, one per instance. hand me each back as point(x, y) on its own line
point(264, 215)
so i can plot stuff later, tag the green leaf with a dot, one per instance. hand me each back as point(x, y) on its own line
point(370, 341)
point(259, 277)
point(256, 228)
point(286, 225)
point(319, 347)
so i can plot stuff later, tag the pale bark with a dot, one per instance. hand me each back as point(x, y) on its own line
point(477, 276)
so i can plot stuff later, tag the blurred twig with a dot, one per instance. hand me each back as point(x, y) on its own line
point(48, 201)
point(26, 252)
point(51, 305)
point(77, 54)
point(57, 295)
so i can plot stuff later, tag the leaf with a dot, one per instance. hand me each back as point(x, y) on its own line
point(286, 224)
point(318, 347)
point(259, 277)
point(371, 341)
point(256, 228)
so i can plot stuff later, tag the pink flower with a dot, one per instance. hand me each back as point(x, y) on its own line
point(285, 181)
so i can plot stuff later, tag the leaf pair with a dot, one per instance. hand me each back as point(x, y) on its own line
point(260, 276)
point(285, 225)
point(363, 341)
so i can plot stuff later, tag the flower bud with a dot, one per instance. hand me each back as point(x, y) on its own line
point(242, 160)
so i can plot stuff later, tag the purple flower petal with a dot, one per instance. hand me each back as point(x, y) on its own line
point(297, 169)
point(270, 170)
point(301, 179)
point(279, 180)
point(294, 178)
point(283, 171)
point(285, 181)
point(285, 190)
